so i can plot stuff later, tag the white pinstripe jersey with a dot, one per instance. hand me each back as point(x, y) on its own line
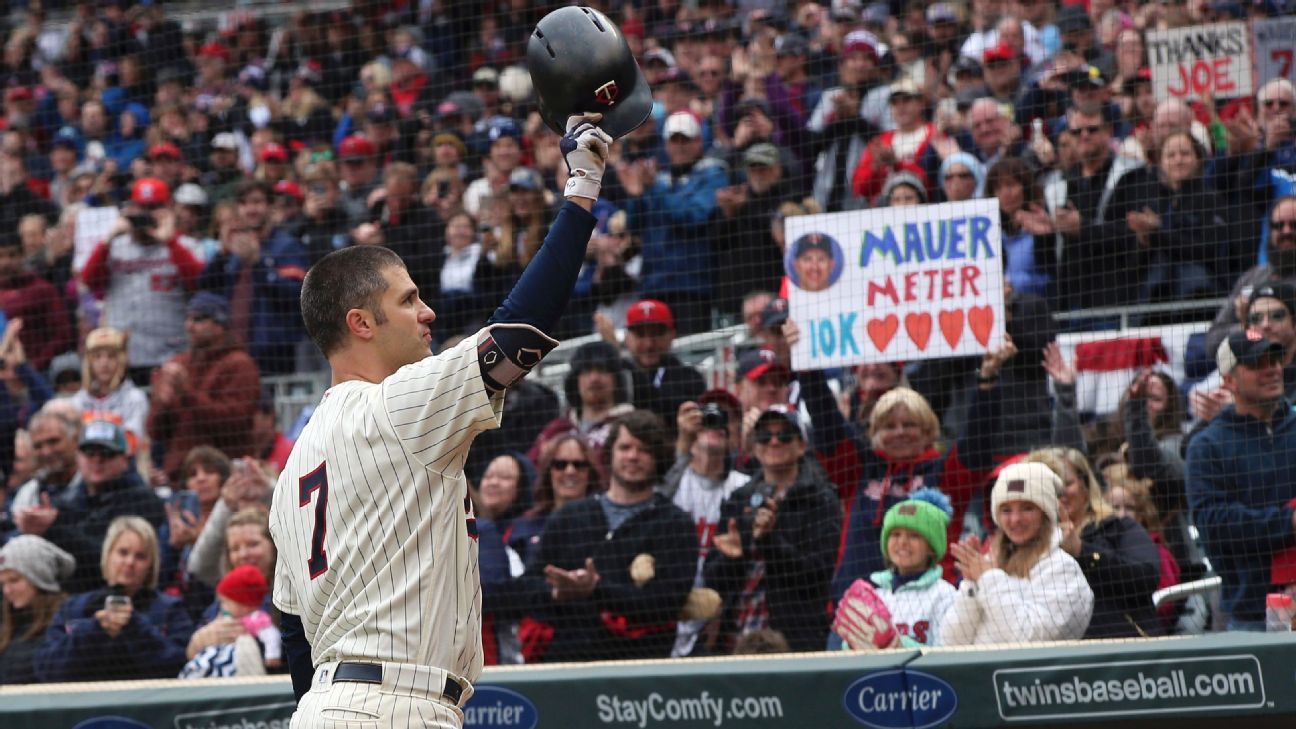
point(376, 537)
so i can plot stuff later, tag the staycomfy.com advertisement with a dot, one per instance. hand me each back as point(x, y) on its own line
point(895, 284)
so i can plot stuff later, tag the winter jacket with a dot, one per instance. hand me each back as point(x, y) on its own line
point(275, 326)
point(669, 219)
point(152, 645)
point(1241, 475)
point(83, 520)
point(17, 660)
point(1053, 603)
point(878, 483)
point(798, 555)
point(46, 331)
point(216, 409)
point(619, 620)
point(918, 607)
point(1123, 566)
point(144, 288)
point(664, 388)
point(868, 180)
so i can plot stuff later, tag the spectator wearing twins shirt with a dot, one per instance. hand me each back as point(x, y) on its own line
point(144, 275)
point(899, 148)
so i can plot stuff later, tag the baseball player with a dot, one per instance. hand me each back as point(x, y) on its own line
point(377, 565)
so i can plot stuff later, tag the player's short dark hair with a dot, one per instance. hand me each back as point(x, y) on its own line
point(645, 426)
point(351, 278)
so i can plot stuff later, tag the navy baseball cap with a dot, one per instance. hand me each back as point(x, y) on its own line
point(813, 242)
point(207, 305)
point(1246, 347)
point(503, 126)
point(1285, 293)
point(757, 362)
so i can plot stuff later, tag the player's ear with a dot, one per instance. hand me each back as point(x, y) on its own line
point(360, 323)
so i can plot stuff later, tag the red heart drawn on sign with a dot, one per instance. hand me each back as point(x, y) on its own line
point(919, 327)
point(981, 320)
point(882, 330)
point(951, 325)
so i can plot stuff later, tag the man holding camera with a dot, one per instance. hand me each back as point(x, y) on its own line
point(144, 276)
point(699, 483)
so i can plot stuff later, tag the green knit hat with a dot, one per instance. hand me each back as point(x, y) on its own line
point(926, 511)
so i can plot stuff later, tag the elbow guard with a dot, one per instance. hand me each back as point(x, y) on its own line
point(507, 352)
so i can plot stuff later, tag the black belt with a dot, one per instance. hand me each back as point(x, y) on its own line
point(372, 673)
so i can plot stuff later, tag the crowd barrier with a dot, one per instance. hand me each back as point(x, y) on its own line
point(1172, 682)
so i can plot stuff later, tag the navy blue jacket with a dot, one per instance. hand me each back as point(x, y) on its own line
point(152, 645)
point(1241, 475)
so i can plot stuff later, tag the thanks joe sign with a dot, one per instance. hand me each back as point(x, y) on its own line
point(893, 284)
point(1201, 60)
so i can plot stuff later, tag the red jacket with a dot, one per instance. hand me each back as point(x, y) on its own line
point(46, 331)
point(868, 181)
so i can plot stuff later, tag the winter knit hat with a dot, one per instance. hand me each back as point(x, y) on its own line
point(244, 585)
point(43, 564)
point(1033, 482)
point(926, 511)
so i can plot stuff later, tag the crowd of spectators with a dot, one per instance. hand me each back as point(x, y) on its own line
point(164, 187)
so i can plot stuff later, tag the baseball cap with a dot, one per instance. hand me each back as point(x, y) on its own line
point(1072, 18)
point(355, 147)
point(66, 137)
point(103, 434)
point(750, 104)
point(720, 396)
point(274, 152)
point(165, 149)
point(941, 13)
point(784, 414)
point(682, 122)
point(660, 55)
point(964, 66)
point(65, 368)
point(905, 87)
point(999, 52)
point(812, 242)
point(105, 338)
point(486, 76)
point(1246, 347)
point(380, 113)
point(526, 178)
point(208, 305)
point(876, 14)
point(503, 126)
point(791, 44)
point(19, 93)
point(860, 41)
point(774, 313)
point(1285, 293)
point(1086, 75)
point(452, 139)
point(225, 140)
point(762, 153)
point(289, 188)
point(190, 194)
point(214, 50)
point(649, 311)
point(150, 191)
point(757, 362)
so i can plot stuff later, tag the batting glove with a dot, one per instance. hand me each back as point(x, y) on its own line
point(863, 620)
point(585, 147)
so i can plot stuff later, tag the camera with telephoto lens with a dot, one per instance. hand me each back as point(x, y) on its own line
point(714, 417)
point(141, 221)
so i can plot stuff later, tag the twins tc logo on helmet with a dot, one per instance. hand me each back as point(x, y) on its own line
point(607, 93)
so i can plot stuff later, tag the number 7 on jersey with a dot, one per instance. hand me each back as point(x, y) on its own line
point(316, 480)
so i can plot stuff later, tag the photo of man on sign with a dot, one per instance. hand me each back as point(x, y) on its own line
point(815, 262)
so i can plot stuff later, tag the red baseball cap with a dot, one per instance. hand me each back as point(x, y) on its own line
point(649, 311)
point(150, 191)
point(165, 149)
point(214, 50)
point(355, 147)
point(19, 93)
point(289, 188)
point(274, 152)
point(1000, 52)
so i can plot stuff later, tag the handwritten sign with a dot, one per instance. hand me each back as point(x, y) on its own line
point(895, 284)
point(92, 226)
point(1201, 60)
point(1275, 39)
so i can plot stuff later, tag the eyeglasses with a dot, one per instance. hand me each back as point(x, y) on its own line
point(783, 436)
point(1091, 129)
point(958, 175)
point(1277, 103)
point(559, 464)
point(1276, 315)
point(1282, 224)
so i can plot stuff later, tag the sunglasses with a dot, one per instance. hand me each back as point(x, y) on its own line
point(1091, 129)
point(98, 453)
point(1282, 224)
point(562, 465)
point(1275, 316)
point(1277, 103)
point(783, 436)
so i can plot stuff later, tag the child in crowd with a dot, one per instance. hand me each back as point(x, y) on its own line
point(910, 598)
point(241, 593)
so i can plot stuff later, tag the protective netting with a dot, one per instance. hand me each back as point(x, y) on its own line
point(938, 310)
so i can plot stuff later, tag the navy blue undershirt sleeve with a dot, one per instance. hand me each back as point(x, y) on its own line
point(540, 295)
point(298, 652)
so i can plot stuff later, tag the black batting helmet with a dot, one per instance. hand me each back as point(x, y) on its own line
point(579, 62)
